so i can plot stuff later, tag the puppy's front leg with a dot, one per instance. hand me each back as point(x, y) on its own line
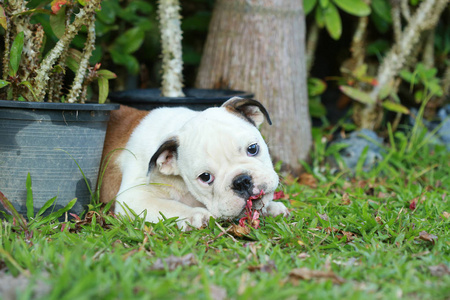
point(275, 209)
point(140, 199)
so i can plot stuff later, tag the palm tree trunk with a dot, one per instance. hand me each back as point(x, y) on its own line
point(259, 46)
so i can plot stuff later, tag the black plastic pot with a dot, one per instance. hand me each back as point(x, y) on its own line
point(48, 140)
point(196, 99)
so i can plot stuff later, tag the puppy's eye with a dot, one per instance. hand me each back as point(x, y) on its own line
point(206, 178)
point(253, 150)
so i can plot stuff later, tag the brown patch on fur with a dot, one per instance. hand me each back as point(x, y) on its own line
point(120, 126)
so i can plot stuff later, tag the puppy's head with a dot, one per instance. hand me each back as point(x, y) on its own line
point(222, 157)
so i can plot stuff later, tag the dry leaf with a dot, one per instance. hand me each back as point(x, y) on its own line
point(303, 255)
point(217, 292)
point(324, 217)
point(306, 274)
point(308, 180)
point(238, 230)
point(90, 215)
point(289, 179)
point(378, 220)
point(279, 195)
point(439, 270)
point(350, 235)
point(423, 235)
point(346, 185)
point(172, 262)
point(446, 214)
point(346, 199)
point(265, 268)
point(413, 203)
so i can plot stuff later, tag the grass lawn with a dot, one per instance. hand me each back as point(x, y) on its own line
point(382, 234)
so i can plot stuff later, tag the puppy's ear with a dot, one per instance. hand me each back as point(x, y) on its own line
point(165, 158)
point(252, 110)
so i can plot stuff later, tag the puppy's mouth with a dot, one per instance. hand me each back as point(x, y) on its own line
point(253, 203)
point(251, 213)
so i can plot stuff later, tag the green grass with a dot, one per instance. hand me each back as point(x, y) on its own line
point(358, 229)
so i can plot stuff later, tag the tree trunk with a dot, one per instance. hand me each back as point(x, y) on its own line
point(259, 46)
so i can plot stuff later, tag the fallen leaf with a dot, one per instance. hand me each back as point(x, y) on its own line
point(346, 199)
point(217, 292)
point(439, 270)
point(350, 235)
point(331, 229)
point(238, 230)
point(306, 274)
point(378, 220)
point(172, 262)
point(289, 179)
point(279, 195)
point(90, 215)
point(446, 214)
point(413, 203)
point(265, 268)
point(323, 217)
point(423, 235)
point(303, 255)
point(308, 180)
point(251, 215)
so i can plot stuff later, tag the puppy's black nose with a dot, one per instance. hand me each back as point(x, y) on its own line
point(242, 184)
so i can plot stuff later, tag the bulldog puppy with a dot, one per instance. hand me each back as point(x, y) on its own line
point(188, 164)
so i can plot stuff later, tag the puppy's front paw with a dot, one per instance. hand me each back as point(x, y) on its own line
point(196, 218)
point(277, 208)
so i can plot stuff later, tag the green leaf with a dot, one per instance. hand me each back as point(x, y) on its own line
point(419, 96)
point(106, 74)
point(360, 71)
point(130, 41)
point(58, 22)
point(55, 215)
point(127, 60)
point(12, 211)
point(107, 14)
point(395, 107)
point(4, 83)
point(408, 76)
point(333, 21)
point(308, 5)
point(16, 53)
point(316, 87)
point(29, 202)
point(319, 17)
point(361, 161)
point(3, 18)
point(46, 206)
point(354, 7)
point(357, 95)
point(103, 89)
point(73, 59)
point(382, 9)
point(385, 91)
point(316, 108)
point(324, 3)
point(30, 88)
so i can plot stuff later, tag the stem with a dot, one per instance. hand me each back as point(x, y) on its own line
point(396, 20)
point(425, 18)
point(171, 36)
point(84, 63)
point(57, 82)
point(7, 49)
point(71, 30)
point(311, 46)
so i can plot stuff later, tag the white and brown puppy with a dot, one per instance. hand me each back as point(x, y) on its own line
point(188, 164)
